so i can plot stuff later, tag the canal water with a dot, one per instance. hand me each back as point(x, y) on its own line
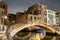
point(33, 36)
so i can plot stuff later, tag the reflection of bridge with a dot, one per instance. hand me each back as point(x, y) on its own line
point(18, 27)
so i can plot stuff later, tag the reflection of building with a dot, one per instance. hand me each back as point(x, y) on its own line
point(58, 20)
point(5, 7)
point(51, 17)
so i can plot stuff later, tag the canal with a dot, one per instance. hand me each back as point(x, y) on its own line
point(32, 36)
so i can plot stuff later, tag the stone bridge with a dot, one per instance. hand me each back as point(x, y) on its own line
point(18, 27)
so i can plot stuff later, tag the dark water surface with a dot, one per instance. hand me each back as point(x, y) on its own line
point(31, 36)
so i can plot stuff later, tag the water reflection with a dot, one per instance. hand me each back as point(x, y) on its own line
point(58, 38)
point(35, 36)
point(28, 36)
point(53, 38)
point(50, 37)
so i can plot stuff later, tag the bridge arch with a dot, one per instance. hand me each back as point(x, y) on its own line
point(14, 31)
point(25, 36)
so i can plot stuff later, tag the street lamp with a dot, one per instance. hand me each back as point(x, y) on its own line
point(5, 17)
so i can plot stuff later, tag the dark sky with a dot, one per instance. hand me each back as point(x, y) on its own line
point(21, 5)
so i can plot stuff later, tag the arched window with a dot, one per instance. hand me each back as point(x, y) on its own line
point(34, 18)
point(45, 13)
point(3, 6)
point(30, 18)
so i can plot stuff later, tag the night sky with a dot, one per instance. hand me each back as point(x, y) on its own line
point(21, 5)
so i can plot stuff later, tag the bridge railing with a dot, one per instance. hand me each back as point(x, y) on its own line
point(44, 23)
point(36, 21)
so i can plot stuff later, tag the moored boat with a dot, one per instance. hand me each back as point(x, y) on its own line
point(41, 32)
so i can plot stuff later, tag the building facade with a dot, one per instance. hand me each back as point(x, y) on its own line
point(34, 12)
point(38, 11)
point(1, 18)
point(2, 26)
point(51, 17)
point(58, 20)
point(4, 6)
point(25, 18)
point(21, 17)
point(12, 19)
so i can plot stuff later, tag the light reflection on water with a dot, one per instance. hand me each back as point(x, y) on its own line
point(32, 36)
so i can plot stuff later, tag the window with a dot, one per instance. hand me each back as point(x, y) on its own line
point(40, 6)
point(39, 11)
point(2, 20)
point(35, 13)
point(45, 13)
point(1, 28)
point(50, 16)
point(44, 7)
point(45, 20)
point(49, 12)
point(2, 12)
point(34, 18)
point(30, 18)
point(3, 6)
point(30, 12)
